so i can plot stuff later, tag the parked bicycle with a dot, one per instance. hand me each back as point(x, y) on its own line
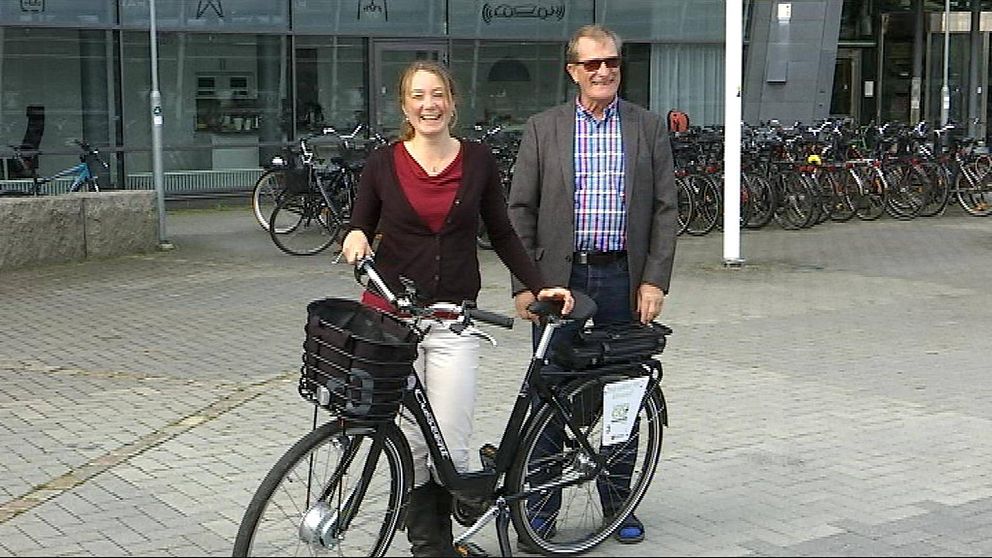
point(273, 181)
point(85, 175)
point(343, 487)
point(313, 201)
point(967, 168)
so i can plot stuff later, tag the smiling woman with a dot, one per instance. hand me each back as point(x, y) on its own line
point(427, 95)
point(427, 194)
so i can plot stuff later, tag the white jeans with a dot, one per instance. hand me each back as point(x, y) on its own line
point(447, 366)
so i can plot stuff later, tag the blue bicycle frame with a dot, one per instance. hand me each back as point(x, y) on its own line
point(83, 175)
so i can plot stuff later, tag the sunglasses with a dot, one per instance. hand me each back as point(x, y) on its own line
point(593, 65)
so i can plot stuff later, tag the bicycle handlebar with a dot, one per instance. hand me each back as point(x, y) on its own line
point(490, 317)
point(406, 303)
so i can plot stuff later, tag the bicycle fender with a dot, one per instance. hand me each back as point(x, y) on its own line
point(664, 406)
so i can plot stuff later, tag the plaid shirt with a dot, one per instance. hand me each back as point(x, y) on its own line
point(600, 207)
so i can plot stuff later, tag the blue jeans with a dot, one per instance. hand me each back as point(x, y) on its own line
point(609, 286)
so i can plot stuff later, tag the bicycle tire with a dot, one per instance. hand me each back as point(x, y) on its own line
point(821, 203)
point(303, 225)
point(590, 526)
point(265, 195)
point(840, 183)
point(271, 524)
point(686, 204)
point(977, 200)
point(939, 192)
point(762, 201)
point(907, 187)
point(795, 203)
point(869, 200)
point(708, 205)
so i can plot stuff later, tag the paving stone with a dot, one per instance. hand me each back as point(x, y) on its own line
point(826, 399)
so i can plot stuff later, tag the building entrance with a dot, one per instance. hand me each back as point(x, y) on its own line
point(846, 98)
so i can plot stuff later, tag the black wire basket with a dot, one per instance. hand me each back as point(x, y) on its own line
point(356, 360)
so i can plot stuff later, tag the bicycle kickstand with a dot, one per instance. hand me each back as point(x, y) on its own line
point(503, 526)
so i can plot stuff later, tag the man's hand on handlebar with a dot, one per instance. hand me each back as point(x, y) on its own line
point(524, 299)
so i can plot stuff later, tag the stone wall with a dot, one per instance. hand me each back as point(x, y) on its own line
point(74, 227)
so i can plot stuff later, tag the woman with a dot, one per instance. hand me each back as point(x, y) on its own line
point(425, 195)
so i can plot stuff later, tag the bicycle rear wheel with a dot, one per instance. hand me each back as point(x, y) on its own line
point(935, 200)
point(588, 509)
point(975, 194)
point(336, 491)
point(761, 195)
point(686, 204)
point(869, 198)
point(303, 225)
point(796, 202)
point(265, 194)
point(707, 206)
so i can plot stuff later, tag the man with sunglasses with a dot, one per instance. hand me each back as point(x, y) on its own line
point(593, 199)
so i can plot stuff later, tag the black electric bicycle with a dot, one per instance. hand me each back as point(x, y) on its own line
point(575, 453)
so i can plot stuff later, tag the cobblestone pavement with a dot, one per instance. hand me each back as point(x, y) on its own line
point(829, 398)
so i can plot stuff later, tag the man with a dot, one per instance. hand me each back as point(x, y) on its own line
point(593, 198)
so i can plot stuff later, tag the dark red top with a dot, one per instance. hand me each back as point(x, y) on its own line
point(444, 263)
point(430, 196)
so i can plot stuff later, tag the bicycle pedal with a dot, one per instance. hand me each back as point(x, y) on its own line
point(487, 455)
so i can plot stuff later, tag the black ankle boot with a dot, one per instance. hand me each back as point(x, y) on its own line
point(428, 527)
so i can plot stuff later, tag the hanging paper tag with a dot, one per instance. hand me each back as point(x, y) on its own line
point(621, 403)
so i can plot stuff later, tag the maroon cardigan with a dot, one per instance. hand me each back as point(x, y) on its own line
point(445, 265)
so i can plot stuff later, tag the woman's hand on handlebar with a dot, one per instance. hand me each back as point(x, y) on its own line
point(355, 247)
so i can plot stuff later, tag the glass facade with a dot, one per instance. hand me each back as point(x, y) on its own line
point(378, 18)
point(241, 78)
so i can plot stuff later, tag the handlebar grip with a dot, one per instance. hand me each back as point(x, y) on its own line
point(490, 317)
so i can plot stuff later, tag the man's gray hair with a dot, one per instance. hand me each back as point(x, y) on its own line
point(597, 32)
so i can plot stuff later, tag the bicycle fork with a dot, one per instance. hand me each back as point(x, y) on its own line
point(323, 525)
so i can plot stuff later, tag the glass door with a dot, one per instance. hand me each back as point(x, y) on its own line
point(846, 98)
point(390, 59)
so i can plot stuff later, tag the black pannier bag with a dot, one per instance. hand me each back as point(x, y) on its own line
point(604, 345)
point(356, 359)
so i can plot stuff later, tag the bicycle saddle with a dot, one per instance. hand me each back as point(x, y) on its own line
point(585, 307)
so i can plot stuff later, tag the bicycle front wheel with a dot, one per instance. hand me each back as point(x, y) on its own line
point(303, 225)
point(337, 491)
point(586, 509)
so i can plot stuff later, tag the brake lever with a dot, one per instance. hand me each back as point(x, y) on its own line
point(460, 328)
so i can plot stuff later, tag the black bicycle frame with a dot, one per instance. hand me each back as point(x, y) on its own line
point(483, 483)
point(340, 179)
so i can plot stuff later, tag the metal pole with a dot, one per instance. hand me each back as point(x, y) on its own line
point(974, 69)
point(916, 85)
point(734, 61)
point(158, 175)
point(945, 92)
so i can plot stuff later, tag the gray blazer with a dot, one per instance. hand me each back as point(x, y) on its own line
point(542, 195)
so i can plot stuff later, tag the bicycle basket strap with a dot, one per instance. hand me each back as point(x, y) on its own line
point(611, 344)
point(356, 359)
